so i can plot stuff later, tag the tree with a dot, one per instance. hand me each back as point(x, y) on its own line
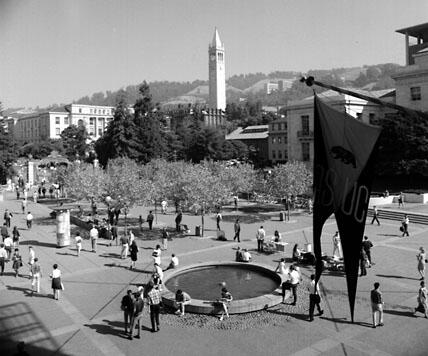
point(126, 184)
point(41, 149)
point(84, 181)
point(74, 141)
point(119, 139)
point(292, 178)
point(148, 124)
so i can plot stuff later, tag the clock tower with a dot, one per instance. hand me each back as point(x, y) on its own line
point(217, 76)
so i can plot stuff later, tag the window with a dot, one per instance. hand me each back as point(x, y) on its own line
point(279, 139)
point(359, 116)
point(279, 154)
point(305, 124)
point(100, 131)
point(80, 110)
point(65, 120)
point(274, 154)
point(273, 127)
point(57, 131)
point(285, 154)
point(273, 140)
point(285, 139)
point(57, 120)
point(415, 93)
point(371, 118)
point(305, 151)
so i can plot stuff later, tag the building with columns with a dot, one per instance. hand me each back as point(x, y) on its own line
point(49, 125)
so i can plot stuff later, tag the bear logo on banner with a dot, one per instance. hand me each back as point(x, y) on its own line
point(344, 155)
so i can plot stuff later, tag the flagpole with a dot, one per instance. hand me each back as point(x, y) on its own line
point(309, 81)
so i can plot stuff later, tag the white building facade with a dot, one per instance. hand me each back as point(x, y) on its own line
point(49, 125)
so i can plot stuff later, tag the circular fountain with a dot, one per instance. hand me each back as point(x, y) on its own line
point(253, 286)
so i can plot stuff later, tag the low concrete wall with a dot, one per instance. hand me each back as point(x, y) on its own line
point(415, 198)
point(236, 306)
point(381, 200)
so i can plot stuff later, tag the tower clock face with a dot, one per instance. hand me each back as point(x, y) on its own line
point(212, 57)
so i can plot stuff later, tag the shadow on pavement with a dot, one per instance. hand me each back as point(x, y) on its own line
point(18, 323)
point(346, 321)
point(37, 243)
point(394, 276)
point(408, 313)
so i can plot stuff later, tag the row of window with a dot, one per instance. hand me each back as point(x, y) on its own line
point(278, 154)
point(280, 126)
point(279, 139)
point(98, 111)
point(415, 93)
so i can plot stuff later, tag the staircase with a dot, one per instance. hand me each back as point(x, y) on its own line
point(415, 218)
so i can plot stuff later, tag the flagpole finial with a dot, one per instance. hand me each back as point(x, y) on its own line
point(308, 80)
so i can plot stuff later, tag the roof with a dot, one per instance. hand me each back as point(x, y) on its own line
point(416, 31)
point(257, 132)
point(216, 42)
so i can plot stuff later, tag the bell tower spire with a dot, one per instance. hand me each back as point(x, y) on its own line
point(217, 73)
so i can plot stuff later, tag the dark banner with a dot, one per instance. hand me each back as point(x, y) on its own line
point(344, 150)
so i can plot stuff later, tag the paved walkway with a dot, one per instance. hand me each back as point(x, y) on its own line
point(87, 318)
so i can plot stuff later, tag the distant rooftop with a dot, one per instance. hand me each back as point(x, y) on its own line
point(418, 31)
point(249, 133)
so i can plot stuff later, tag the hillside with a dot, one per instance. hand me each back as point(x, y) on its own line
point(252, 86)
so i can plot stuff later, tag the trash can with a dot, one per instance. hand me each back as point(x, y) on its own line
point(282, 216)
point(197, 230)
point(308, 247)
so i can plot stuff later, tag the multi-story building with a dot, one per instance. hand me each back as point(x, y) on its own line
point(255, 137)
point(49, 125)
point(300, 118)
point(278, 141)
point(412, 81)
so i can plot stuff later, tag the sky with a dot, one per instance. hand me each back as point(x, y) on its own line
point(56, 51)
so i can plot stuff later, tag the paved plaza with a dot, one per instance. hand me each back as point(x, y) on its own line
point(87, 319)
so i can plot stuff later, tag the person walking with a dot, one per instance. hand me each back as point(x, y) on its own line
point(422, 300)
point(164, 206)
point(150, 219)
point(8, 245)
point(31, 258)
point(401, 200)
point(405, 225)
point(125, 246)
point(137, 316)
point(337, 253)
point(15, 237)
point(7, 216)
point(225, 300)
point(3, 258)
point(140, 222)
point(29, 220)
point(78, 240)
point(114, 234)
point(422, 259)
point(36, 275)
point(131, 238)
point(219, 218)
point(24, 205)
point(293, 282)
point(17, 262)
point(154, 299)
point(260, 235)
point(93, 235)
point(164, 238)
point(133, 250)
point(56, 281)
point(377, 305)
point(367, 246)
point(178, 220)
point(237, 227)
point(314, 298)
point(363, 262)
point(4, 231)
point(235, 201)
point(375, 216)
point(127, 306)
